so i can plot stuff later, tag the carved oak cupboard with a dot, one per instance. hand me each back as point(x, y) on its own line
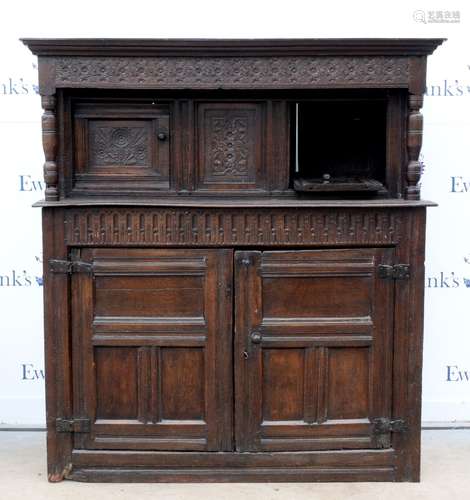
point(234, 258)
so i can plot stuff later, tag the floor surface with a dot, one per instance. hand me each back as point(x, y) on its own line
point(445, 475)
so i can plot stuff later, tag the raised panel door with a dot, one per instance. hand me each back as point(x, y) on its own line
point(152, 333)
point(313, 349)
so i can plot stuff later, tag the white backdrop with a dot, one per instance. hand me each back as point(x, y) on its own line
point(446, 389)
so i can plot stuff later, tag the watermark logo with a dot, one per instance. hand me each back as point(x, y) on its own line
point(30, 373)
point(467, 261)
point(16, 279)
point(21, 279)
point(28, 185)
point(39, 279)
point(448, 88)
point(447, 280)
point(459, 184)
point(436, 16)
point(455, 374)
point(19, 86)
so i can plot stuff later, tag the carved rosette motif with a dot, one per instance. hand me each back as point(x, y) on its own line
point(215, 227)
point(231, 72)
point(49, 142)
point(118, 145)
point(414, 142)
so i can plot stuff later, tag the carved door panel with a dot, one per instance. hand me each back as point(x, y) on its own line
point(121, 146)
point(230, 147)
point(313, 344)
point(152, 362)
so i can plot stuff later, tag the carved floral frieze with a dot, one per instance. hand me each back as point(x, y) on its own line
point(232, 72)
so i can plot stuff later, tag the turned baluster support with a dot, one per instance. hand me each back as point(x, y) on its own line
point(49, 142)
point(413, 144)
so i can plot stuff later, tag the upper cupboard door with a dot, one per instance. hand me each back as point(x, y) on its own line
point(152, 362)
point(313, 347)
point(120, 146)
point(230, 147)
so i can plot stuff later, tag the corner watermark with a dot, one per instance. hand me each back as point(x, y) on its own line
point(436, 16)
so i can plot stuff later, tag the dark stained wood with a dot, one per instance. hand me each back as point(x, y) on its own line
point(230, 147)
point(408, 348)
point(145, 382)
point(294, 309)
point(193, 226)
point(57, 347)
point(413, 143)
point(238, 202)
point(208, 322)
point(182, 386)
point(216, 467)
point(348, 382)
point(395, 147)
point(120, 146)
point(215, 64)
point(118, 399)
point(49, 140)
point(338, 185)
point(283, 384)
point(212, 47)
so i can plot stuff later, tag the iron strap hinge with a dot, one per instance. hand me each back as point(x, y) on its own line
point(386, 425)
point(396, 272)
point(70, 266)
point(73, 425)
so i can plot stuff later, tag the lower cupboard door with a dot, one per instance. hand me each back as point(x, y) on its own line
point(313, 349)
point(151, 343)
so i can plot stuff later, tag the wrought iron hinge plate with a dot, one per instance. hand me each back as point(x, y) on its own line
point(70, 266)
point(73, 425)
point(396, 272)
point(386, 425)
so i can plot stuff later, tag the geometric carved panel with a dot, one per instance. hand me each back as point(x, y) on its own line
point(161, 226)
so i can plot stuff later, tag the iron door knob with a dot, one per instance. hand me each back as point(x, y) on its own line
point(255, 337)
point(161, 136)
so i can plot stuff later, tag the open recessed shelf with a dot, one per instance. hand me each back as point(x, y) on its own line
point(327, 184)
point(340, 145)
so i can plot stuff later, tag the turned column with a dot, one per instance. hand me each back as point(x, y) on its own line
point(413, 143)
point(49, 142)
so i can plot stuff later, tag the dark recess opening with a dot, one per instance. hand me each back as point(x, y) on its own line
point(340, 145)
